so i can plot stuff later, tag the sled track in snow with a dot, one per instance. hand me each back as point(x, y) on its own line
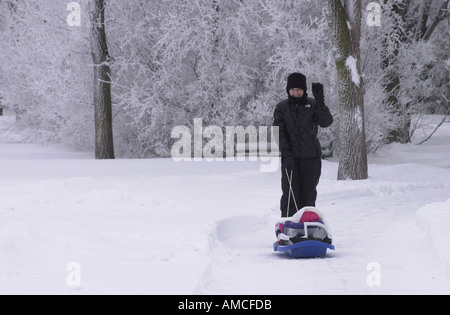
point(241, 246)
point(235, 240)
point(242, 255)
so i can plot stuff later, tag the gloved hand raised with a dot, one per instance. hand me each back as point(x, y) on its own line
point(322, 113)
point(317, 89)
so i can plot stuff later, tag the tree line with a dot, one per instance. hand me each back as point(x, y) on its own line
point(133, 70)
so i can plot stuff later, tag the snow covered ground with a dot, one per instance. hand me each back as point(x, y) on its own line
point(73, 225)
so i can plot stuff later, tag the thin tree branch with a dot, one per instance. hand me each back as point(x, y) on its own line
point(440, 124)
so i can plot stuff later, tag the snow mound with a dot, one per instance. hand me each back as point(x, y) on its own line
point(433, 220)
point(244, 232)
point(16, 239)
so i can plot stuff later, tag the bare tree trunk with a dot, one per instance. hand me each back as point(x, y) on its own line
point(104, 146)
point(392, 81)
point(352, 139)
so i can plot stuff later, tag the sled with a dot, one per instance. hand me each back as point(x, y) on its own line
point(305, 235)
point(305, 249)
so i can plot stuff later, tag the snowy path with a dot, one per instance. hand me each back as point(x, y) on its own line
point(374, 222)
point(397, 219)
point(160, 227)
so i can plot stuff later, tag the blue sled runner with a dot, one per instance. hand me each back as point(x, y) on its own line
point(305, 249)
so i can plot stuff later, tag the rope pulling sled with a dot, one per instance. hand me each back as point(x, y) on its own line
point(304, 235)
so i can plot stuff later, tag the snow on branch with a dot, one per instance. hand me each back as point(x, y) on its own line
point(351, 64)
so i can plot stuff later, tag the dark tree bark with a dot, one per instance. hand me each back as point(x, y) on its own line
point(352, 139)
point(104, 145)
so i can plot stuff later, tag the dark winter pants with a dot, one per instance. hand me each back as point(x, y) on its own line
point(305, 178)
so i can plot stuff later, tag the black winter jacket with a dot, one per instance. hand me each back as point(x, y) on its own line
point(298, 126)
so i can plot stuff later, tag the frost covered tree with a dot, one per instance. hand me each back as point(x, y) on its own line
point(185, 59)
point(409, 57)
point(345, 26)
point(223, 61)
point(45, 77)
point(104, 146)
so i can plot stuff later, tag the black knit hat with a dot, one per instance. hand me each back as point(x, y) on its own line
point(296, 80)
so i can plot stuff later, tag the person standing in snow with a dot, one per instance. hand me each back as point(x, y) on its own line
point(298, 118)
